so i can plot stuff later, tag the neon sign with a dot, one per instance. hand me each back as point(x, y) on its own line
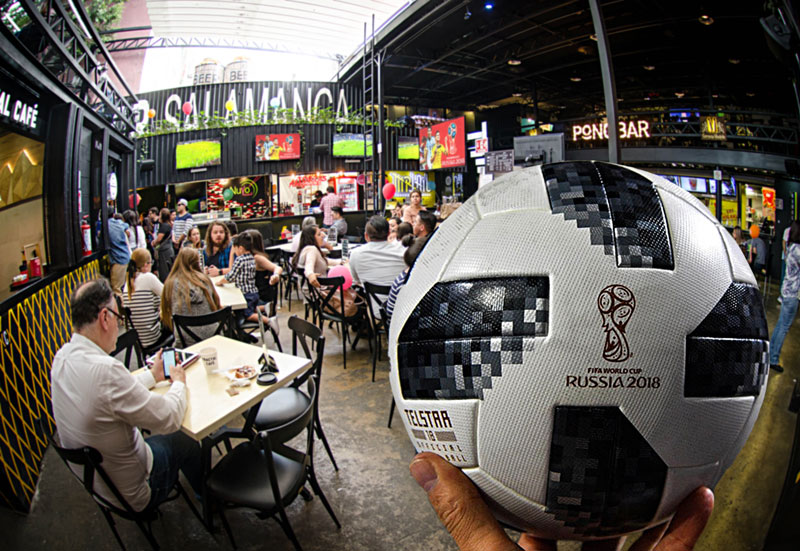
point(637, 128)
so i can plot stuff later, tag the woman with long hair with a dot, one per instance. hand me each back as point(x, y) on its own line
point(309, 255)
point(394, 221)
point(165, 253)
point(188, 291)
point(142, 294)
point(136, 238)
point(268, 274)
point(790, 291)
point(218, 254)
point(195, 242)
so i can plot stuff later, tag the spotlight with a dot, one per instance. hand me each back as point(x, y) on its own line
point(489, 6)
point(575, 79)
point(649, 67)
point(706, 19)
point(467, 14)
point(514, 62)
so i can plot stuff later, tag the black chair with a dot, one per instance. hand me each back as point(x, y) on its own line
point(268, 294)
point(289, 277)
point(307, 302)
point(267, 475)
point(91, 461)
point(129, 342)
point(183, 325)
point(322, 298)
point(287, 403)
point(377, 323)
point(386, 320)
point(164, 341)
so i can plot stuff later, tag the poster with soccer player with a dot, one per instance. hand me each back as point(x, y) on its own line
point(277, 147)
point(443, 145)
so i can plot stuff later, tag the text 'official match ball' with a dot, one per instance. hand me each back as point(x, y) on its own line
point(586, 342)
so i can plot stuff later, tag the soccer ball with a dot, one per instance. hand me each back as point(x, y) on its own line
point(586, 342)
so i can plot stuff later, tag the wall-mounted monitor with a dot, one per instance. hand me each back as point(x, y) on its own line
point(198, 153)
point(728, 189)
point(407, 148)
point(443, 145)
point(695, 185)
point(351, 145)
point(277, 147)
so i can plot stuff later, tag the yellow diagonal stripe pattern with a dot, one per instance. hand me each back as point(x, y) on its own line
point(30, 335)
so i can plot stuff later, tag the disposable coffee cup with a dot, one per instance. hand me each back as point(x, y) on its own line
point(209, 356)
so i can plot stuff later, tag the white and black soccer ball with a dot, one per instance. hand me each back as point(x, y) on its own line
point(586, 342)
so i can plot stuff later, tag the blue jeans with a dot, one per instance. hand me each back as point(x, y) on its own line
point(788, 312)
point(172, 453)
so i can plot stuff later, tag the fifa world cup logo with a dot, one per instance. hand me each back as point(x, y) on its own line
point(616, 304)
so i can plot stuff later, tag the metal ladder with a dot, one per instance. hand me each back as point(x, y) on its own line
point(373, 166)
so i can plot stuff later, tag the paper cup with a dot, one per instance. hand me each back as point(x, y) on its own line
point(209, 356)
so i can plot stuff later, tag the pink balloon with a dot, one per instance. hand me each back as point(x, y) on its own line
point(389, 191)
point(187, 108)
point(342, 271)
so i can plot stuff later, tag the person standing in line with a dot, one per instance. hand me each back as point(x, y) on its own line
point(182, 224)
point(784, 242)
point(136, 239)
point(790, 290)
point(326, 203)
point(165, 254)
point(149, 224)
point(758, 250)
point(119, 252)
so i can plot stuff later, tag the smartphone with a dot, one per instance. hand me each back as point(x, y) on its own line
point(168, 356)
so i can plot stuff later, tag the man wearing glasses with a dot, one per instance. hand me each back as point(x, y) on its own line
point(97, 402)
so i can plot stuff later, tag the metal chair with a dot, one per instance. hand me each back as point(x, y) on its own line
point(267, 475)
point(322, 298)
point(222, 318)
point(91, 461)
point(378, 324)
point(287, 403)
point(129, 342)
point(150, 349)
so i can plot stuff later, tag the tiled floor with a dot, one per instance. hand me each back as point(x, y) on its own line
point(378, 504)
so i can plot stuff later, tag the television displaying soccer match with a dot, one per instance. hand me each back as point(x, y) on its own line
point(407, 148)
point(198, 153)
point(351, 145)
point(443, 145)
point(277, 147)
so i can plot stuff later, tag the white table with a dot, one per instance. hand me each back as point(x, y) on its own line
point(229, 295)
point(210, 407)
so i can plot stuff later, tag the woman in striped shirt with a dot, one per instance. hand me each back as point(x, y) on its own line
point(142, 294)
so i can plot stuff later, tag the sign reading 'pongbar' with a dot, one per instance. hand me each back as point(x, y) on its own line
point(636, 128)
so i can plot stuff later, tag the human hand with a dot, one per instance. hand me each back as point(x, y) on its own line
point(178, 374)
point(158, 367)
point(213, 271)
point(221, 282)
point(274, 279)
point(468, 519)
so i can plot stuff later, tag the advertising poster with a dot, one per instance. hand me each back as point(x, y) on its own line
point(277, 147)
point(248, 195)
point(405, 181)
point(443, 145)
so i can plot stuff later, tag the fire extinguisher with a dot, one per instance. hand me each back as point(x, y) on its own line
point(86, 230)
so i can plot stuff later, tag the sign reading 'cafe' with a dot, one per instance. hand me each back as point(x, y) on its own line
point(18, 110)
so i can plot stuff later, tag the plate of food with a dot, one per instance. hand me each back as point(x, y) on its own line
point(241, 372)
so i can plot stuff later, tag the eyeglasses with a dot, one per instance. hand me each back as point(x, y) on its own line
point(115, 313)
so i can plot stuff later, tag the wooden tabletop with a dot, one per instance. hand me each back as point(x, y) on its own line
point(209, 405)
point(229, 295)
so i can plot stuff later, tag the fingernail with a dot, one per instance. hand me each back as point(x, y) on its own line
point(424, 473)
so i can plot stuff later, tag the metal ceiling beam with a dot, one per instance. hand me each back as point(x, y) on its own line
point(609, 84)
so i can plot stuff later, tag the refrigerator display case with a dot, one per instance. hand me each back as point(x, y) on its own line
point(347, 189)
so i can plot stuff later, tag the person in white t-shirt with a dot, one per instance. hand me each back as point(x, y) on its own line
point(378, 261)
point(783, 257)
point(97, 402)
point(136, 238)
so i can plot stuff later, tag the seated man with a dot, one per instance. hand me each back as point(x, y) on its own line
point(378, 261)
point(338, 221)
point(97, 402)
point(424, 223)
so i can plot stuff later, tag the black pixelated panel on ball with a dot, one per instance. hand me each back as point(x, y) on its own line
point(604, 479)
point(738, 314)
point(725, 368)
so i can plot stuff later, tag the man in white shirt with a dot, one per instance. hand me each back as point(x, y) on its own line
point(378, 261)
point(97, 402)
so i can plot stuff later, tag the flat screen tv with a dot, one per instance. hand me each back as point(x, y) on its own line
point(408, 148)
point(695, 185)
point(350, 145)
point(277, 147)
point(728, 189)
point(198, 153)
point(443, 145)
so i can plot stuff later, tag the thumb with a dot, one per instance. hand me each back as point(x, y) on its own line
point(459, 505)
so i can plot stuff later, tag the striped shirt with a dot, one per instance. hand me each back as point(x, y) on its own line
point(243, 273)
point(181, 226)
point(398, 283)
point(144, 305)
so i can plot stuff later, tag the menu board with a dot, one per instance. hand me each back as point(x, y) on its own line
point(500, 161)
point(277, 147)
point(443, 145)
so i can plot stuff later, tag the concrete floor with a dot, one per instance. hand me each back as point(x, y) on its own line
point(378, 503)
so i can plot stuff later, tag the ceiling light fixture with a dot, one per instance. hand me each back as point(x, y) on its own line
point(706, 19)
point(750, 94)
point(467, 14)
point(514, 62)
point(679, 94)
point(489, 6)
point(575, 79)
point(593, 37)
point(734, 61)
point(517, 94)
point(649, 67)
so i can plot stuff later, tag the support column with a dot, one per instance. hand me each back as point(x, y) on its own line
point(609, 87)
